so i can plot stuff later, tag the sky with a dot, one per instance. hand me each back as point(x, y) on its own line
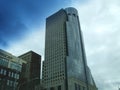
point(22, 28)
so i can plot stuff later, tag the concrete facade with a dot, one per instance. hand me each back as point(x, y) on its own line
point(65, 66)
point(30, 76)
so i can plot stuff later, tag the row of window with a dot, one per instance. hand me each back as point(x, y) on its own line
point(72, 14)
point(10, 74)
point(56, 38)
point(12, 83)
point(3, 62)
point(54, 54)
point(54, 67)
point(54, 74)
point(54, 63)
point(59, 31)
point(9, 82)
point(55, 45)
point(3, 71)
point(53, 77)
point(14, 75)
point(55, 80)
point(15, 66)
point(54, 60)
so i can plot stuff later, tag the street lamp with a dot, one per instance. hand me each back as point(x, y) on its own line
point(28, 82)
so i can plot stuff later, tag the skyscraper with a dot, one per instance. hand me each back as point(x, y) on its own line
point(65, 66)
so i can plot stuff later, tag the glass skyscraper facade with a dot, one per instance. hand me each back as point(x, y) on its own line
point(65, 66)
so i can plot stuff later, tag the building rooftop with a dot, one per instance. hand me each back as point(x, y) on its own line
point(11, 57)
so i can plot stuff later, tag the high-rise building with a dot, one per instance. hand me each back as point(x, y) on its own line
point(30, 76)
point(10, 69)
point(65, 66)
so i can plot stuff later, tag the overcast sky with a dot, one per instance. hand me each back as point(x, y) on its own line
point(22, 28)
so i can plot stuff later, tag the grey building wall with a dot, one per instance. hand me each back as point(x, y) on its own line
point(55, 51)
point(65, 60)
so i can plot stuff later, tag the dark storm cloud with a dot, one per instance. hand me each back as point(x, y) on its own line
point(18, 17)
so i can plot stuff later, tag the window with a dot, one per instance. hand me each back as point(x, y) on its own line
point(1, 71)
point(8, 82)
point(59, 87)
point(3, 62)
point(15, 66)
point(15, 84)
point(5, 72)
point(69, 14)
point(74, 15)
point(79, 88)
point(17, 76)
point(9, 74)
point(75, 86)
point(12, 74)
point(83, 88)
point(52, 88)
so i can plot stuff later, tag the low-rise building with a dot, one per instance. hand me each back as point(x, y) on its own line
point(10, 69)
point(30, 76)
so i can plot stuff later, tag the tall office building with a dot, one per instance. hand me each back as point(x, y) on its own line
point(30, 76)
point(65, 66)
point(10, 69)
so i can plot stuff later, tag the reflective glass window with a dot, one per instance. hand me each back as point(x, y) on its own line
point(5, 72)
point(1, 71)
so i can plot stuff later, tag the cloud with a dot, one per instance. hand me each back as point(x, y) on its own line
point(32, 41)
point(17, 17)
point(12, 25)
point(7, 36)
point(100, 26)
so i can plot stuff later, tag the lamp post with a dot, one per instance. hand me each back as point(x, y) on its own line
point(28, 82)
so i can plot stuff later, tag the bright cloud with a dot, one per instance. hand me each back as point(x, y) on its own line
point(33, 41)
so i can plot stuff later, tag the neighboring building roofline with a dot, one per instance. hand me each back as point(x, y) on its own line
point(29, 52)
